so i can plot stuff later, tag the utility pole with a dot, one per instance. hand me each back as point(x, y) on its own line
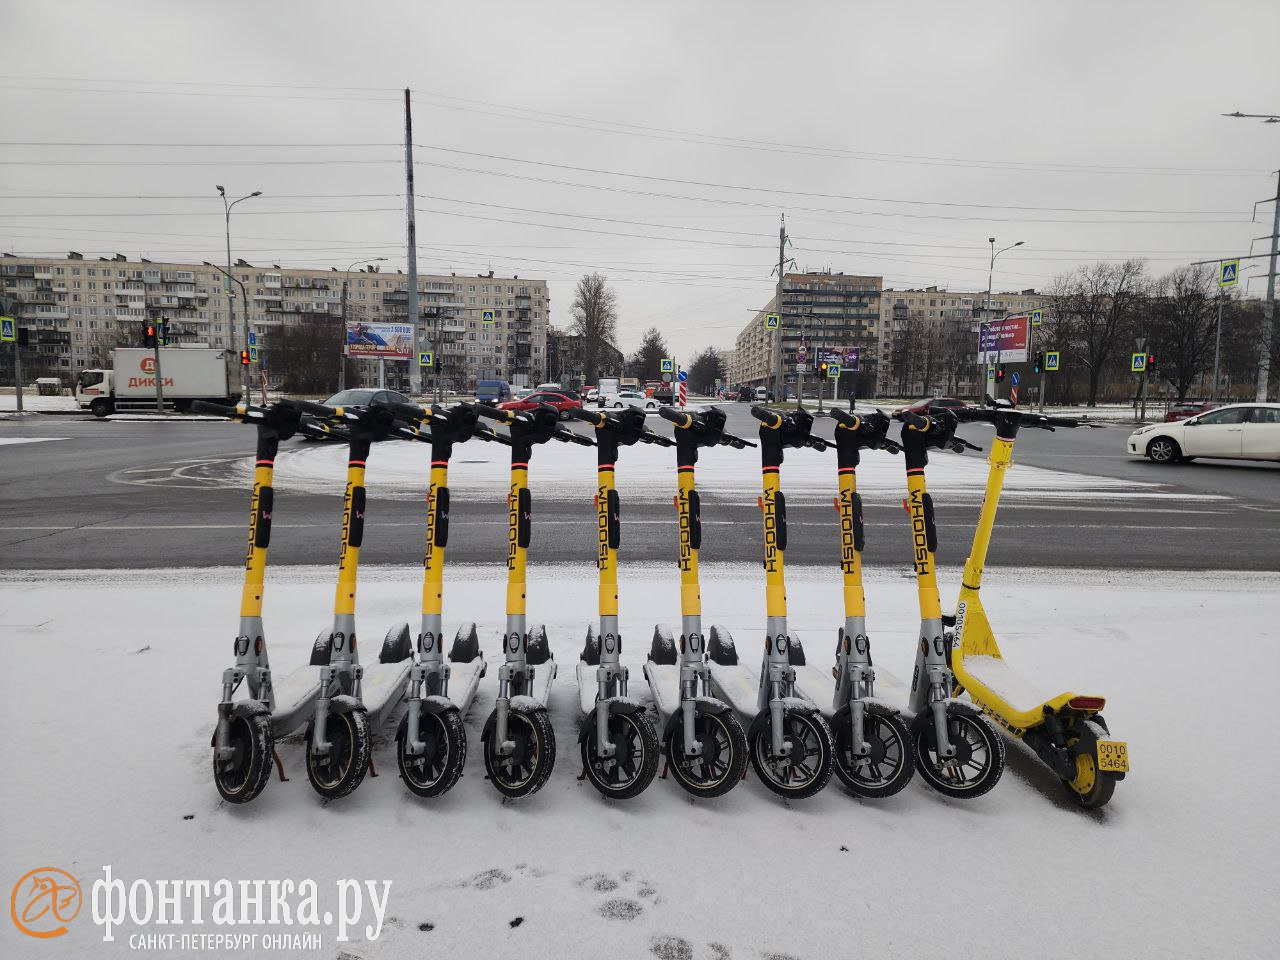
point(155, 346)
point(1269, 305)
point(779, 381)
point(1217, 343)
point(415, 372)
point(342, 352)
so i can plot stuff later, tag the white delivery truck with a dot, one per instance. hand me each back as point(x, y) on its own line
point(189, 373)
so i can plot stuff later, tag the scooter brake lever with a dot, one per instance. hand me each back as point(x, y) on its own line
point(568, 436)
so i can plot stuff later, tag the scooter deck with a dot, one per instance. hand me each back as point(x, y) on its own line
point(664, 686)
point(384, 689)
point(464, 681)
point(996, 675)
point(738, 686)
point(817, 684)
point(588, 686)
point(296, 695)
point(544, 674)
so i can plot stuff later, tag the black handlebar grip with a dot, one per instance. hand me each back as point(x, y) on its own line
point(407, 411)
point(214, 409)
point(913, 420)
point(1060, 421)
point(845, 418)
point(589, 416)
point(316, 409)
point(493, 413)
point(671, 413)
point(765, 415)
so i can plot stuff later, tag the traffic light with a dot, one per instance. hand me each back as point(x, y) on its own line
point(1037, 362)
point(162, 332)
point(1151, 361)
point(1000, 373)
point(244, 358)
point(822, 368)
point(149, 334)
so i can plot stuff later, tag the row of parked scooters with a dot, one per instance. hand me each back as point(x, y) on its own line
point(802, 722)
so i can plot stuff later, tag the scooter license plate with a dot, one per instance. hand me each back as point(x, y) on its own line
point(1113, 756)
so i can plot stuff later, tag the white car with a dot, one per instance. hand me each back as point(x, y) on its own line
point(1240, 431)
point(630, 398)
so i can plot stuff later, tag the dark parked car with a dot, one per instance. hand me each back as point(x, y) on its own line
point(362, 398)
point(932, 403)
point(1181, 411)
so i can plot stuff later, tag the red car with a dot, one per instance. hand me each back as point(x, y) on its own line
point(557, 400)
point(922, 407)
point(1182, 411)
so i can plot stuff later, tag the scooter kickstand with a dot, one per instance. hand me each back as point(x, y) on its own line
point(275, 754)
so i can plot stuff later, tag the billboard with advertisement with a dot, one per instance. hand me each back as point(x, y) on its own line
point(1006, 340)
point(374, 341)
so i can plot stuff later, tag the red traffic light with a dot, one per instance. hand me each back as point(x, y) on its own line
point(1000, 373)
point(244, 358)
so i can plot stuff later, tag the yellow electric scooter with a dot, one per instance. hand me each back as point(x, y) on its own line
point(1066, 731)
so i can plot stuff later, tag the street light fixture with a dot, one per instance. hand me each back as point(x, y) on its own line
point(231, 310)
point(342, 354)
point(982, 327)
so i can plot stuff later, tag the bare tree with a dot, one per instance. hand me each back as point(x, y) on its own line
point(303, 357)
point(594, 319)
point(1095, 308)
point(1182, 323)
point(707, 367)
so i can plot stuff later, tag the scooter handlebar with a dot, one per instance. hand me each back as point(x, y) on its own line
point(765, 415)
point(913, 420)
point(1049, 423)
point(409, 412)
point(318, 410)
point(677, 417)
point(216, 409)
point(595, 418)
point(568, 436)
point(492, 413)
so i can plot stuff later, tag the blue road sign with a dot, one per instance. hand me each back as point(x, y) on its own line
point(1228, 273)
point(683, 375)
point(486, 316)
point(1051, 360)
point(424, 358)
point(253, 339)
point(1016, 378)
point(666, 365)
point(8, 330)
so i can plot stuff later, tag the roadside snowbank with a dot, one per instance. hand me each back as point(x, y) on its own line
point(113, 676)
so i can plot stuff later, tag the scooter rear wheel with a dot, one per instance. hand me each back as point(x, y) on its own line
point(635, 761)
point(889, 766)
point(724, 755)
point(527, 768)
point(979, 759)
point(807, 768)
point(336, 773)
point(435, 770)
point(1089, 789)
point(244, 776)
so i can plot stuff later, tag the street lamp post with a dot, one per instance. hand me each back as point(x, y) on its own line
point(231, 310)
point(342, 353)
point(986, 309)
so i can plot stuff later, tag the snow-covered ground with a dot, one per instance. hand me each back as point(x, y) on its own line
point(398, 469)
point(109, 702)
point(9, 402)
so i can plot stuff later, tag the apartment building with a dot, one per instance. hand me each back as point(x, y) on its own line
point(76, 309)
point(928, 340)
point(566, 359)
point(827, 312)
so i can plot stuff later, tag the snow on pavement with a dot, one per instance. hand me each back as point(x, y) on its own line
point(109, 705)
point(13, 440)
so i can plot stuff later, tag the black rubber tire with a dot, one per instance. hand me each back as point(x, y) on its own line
point(435, 772)
point(1163, 450)
point(101, 407)
point(252, 744)
point(732, 741)
point(531, 728)
point(336, 774)
point(1099, 794)
point(637, 732)
point(977, 731)
point(890, 744)
point(802, 727)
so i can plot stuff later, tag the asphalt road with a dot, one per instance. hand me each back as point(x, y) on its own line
point(67, 503)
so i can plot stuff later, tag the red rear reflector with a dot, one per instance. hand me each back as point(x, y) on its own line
point(1087, 703)
point(835, 502)
point(760, 502)
point(904, 505)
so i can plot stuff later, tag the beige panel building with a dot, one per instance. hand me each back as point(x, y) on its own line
point(77, 309)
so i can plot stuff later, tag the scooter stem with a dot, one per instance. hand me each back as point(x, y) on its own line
point(1000, 460)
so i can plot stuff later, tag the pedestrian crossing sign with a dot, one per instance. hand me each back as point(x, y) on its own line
point(667, 365)
point(1228, 273)
point(772, 321)
point(253, 354)
point(8, 330)
point(1138, 362)
point(1051, 358)
point(425, 359)
point(486, 316)
point(833, 371)
point(1037, 317)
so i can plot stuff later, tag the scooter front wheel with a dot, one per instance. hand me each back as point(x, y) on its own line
point(526, 769)
point(979, 758)
point(723, 759)
point(243, 775)
point(807, 767)
point(336, 773)
point(635, 754)
point(439, 766)
point(889, 765)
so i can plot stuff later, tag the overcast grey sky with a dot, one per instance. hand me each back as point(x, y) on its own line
point(896, 137)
